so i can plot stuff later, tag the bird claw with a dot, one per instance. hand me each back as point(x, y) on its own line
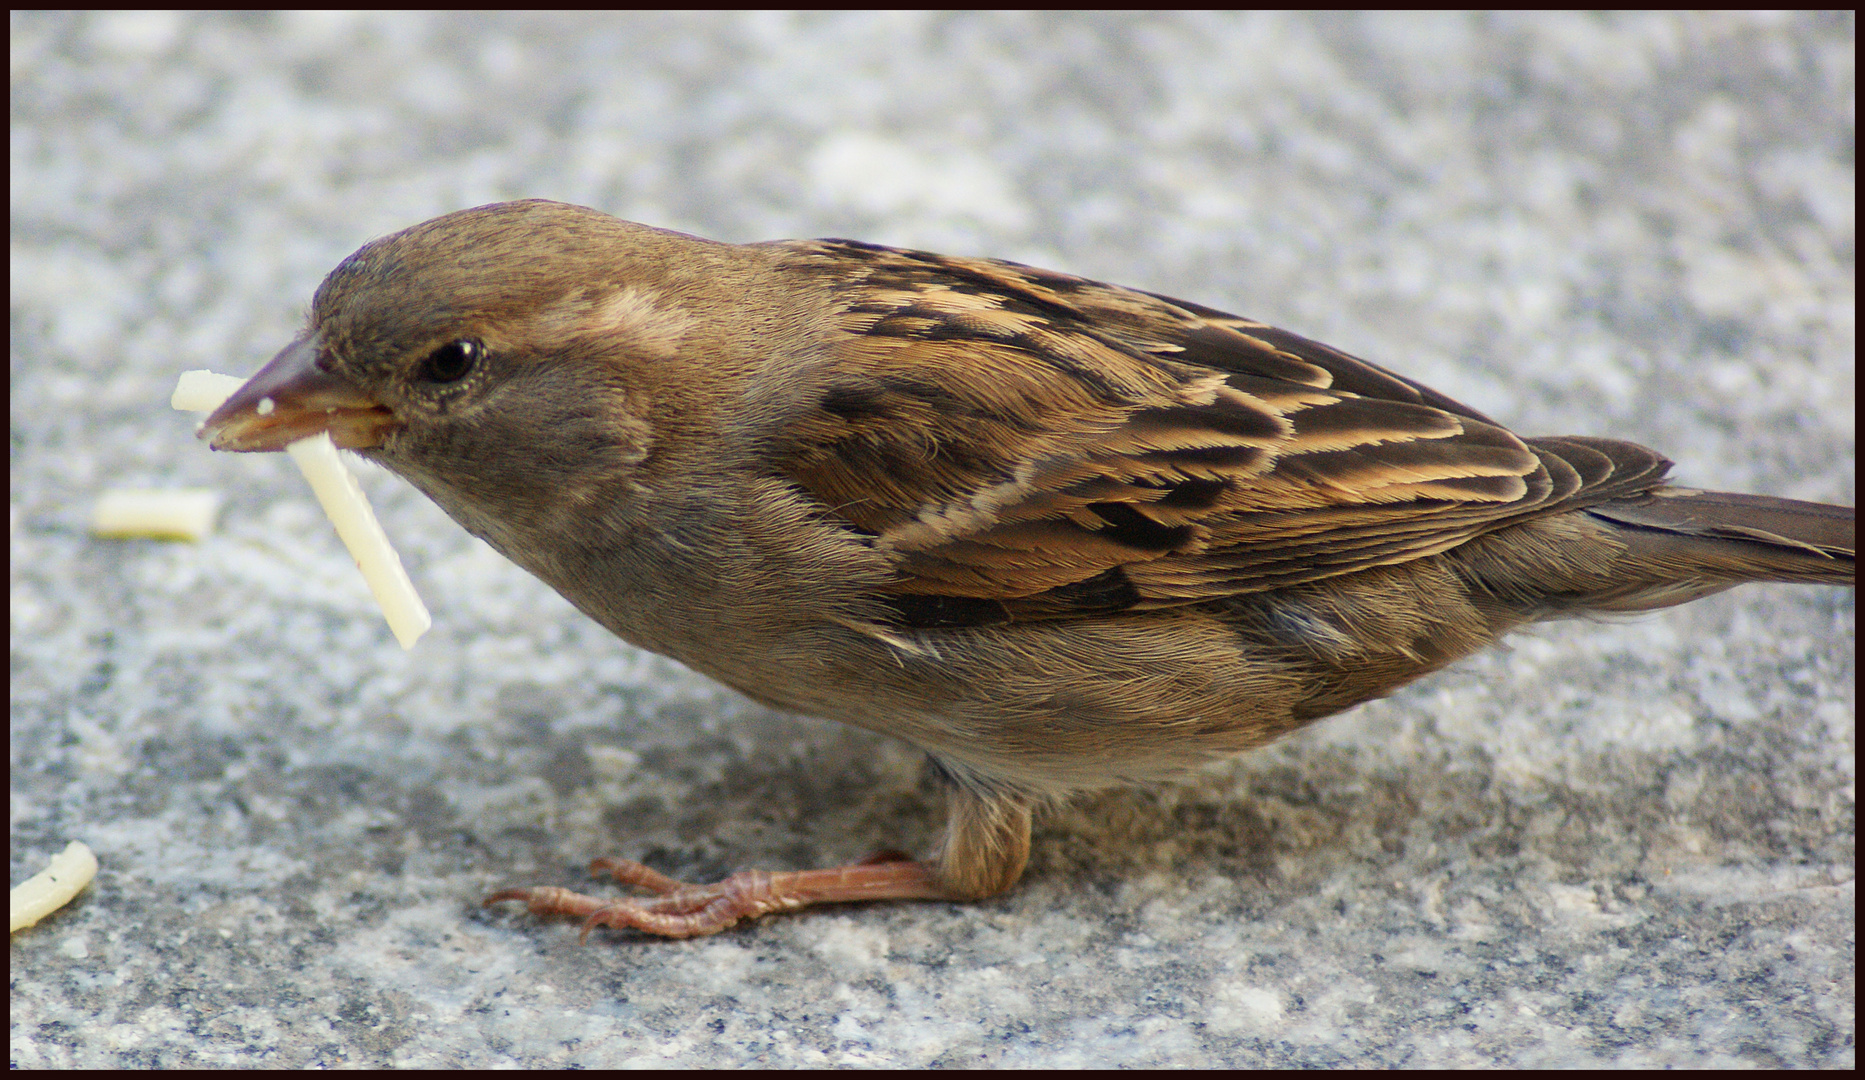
point(682, 910)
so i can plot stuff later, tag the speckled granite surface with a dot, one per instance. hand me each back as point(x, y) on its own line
point(1628, 844)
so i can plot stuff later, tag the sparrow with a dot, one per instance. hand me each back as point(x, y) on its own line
point(1057, 534)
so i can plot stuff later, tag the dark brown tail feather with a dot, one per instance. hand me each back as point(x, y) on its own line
point(1708, 541)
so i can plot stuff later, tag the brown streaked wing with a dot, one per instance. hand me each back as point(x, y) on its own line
point(1033, 445)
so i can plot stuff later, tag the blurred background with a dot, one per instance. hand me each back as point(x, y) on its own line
point(1610, 845)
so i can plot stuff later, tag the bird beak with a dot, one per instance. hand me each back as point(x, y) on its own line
point(292, 398)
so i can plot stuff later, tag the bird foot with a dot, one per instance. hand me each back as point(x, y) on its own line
point(682, 910)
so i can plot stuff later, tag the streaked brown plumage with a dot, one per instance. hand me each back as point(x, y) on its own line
point(1057, 534)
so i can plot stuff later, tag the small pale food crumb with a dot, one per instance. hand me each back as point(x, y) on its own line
point(52, 888)
point(164, 514)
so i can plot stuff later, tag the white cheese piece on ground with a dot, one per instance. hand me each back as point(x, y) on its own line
point(342, 498)
point(171, 514)
point(51, 888)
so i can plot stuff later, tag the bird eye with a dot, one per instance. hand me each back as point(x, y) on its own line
point(452, 361)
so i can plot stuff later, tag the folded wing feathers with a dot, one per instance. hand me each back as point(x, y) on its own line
point(1048, 442)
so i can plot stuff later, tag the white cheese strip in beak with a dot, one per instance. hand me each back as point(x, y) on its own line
point(51, 888)
point(342, 498)
point(203, 391)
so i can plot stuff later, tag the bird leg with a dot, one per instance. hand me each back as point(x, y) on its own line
point(986, 843)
